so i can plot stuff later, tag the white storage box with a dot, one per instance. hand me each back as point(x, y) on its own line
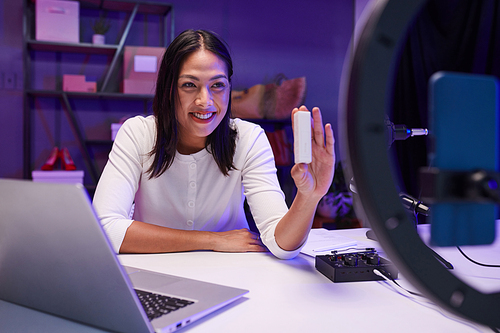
point(58, 176)
point(58, 21)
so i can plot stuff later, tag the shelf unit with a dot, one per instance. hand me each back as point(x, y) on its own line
point(127, 13)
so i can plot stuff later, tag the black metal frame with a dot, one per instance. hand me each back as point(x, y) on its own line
point(370, 81)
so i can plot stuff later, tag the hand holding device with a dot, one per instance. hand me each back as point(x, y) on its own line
point(315, 165)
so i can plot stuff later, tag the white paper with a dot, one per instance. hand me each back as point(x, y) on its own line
point(323, 241)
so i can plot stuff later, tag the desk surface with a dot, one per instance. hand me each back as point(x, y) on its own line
point(292, 296)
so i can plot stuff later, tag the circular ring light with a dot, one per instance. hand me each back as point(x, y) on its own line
point(368, 98)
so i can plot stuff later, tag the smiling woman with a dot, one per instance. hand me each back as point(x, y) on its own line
point(203, 97)
point(186, 171)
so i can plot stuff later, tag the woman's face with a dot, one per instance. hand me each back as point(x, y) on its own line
point(203, 93)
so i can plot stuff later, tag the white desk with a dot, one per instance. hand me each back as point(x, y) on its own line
point(292, 296)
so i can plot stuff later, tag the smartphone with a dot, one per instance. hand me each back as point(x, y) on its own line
point(463, 132)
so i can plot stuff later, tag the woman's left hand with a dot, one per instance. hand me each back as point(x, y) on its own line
point(314, 179)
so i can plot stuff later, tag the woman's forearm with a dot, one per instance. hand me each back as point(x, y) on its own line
point(293, 229)
point(149, 238)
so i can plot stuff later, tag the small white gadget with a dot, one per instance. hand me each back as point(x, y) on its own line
point(302, 137)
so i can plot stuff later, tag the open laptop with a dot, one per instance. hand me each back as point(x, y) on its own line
point(56, 258)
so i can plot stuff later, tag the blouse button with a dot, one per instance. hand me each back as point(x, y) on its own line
point(192, 185)
point(191, 204)
point(192, 166)
point(190, 223)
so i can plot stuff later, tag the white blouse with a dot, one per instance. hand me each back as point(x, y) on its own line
point(192, 194)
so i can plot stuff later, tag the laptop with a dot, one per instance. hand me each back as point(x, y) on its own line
point(55, 257)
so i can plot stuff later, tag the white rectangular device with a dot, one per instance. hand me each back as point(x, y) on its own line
point(302, 137)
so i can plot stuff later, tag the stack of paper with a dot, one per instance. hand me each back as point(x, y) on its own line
point(322, 241)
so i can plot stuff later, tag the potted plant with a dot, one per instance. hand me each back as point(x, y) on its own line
point(100, 27)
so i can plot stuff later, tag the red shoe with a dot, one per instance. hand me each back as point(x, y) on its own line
point(66, 160)
point(54, 155)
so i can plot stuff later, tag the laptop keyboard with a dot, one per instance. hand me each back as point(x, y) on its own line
point(157, 305)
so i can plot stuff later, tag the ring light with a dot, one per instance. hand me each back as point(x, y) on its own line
point(367, 99)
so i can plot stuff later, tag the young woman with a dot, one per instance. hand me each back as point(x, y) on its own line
point(187, 169)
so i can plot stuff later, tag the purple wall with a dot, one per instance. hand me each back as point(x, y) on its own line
point(266, 38)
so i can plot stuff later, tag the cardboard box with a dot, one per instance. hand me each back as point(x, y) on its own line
point(58, 21)
point(141, 87)
point(140, 69)
point(78, 83)
point(58, 176)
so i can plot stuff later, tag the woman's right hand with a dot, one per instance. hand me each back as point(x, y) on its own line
point(240, 240)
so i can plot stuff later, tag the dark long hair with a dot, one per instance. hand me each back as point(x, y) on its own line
point(221, 143)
